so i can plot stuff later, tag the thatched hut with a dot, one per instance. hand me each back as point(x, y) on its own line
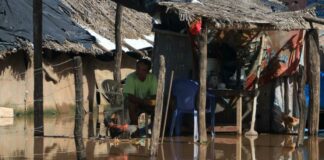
point(236, 24)
point(69, 28)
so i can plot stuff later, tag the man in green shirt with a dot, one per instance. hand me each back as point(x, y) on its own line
point(140, 90)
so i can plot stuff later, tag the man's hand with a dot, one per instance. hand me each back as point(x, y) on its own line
point(150, 102)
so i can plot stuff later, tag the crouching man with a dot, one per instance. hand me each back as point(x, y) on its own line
point(140, 91)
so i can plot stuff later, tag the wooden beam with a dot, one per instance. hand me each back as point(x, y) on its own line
point(202, 46)
point(158, 108)
point(38, 68)
point(313, 76)
point(314, 19)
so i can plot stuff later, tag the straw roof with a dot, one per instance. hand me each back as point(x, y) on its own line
point(100, 17)
point(64, 26)
point(239, 14)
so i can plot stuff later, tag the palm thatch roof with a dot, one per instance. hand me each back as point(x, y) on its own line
point(239, 14)
point(100, 17)
point(66, 25)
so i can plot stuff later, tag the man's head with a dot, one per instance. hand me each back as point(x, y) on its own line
point(143, 67)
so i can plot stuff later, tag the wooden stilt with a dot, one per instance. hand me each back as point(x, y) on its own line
point(79, 111)
point(202, 42)
point(313, 76)
point(38, 68)
point(119, 52)
point(301, 81)
point(158, 108)
point(252, 132)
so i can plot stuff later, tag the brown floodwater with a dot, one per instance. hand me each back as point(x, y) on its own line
point(17, 142)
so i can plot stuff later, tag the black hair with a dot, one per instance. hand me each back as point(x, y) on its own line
point(144, 61)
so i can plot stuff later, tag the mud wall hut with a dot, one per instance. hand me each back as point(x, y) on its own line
point(69, 28)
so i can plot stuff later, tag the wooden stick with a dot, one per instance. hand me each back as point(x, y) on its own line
point(252, 132)
point(158, 108)
point(167, 106)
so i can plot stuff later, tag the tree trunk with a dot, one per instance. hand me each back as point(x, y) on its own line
point(38, 69)
point(158, 108)
point(313, 76)
point(202, 79)
point(119, 52)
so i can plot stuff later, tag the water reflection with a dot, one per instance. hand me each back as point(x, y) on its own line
point(59, 143)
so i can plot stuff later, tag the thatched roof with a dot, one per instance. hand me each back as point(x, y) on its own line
point(240, 14)
point(100, 17)
point(66, 25)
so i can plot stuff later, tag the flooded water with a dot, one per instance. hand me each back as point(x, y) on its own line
point(17, 142)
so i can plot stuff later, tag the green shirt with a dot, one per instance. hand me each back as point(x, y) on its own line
point(138, 88)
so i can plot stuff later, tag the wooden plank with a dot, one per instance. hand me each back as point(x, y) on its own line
point(222, 140)
point(38, 68)
point(6, 112)
point(158, 108)
point(202, 46)
point(313, 76)
point(231, 93)
point(225, 128)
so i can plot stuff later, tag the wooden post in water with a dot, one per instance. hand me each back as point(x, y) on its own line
point(158, 108)
point(202, 81)
point(119, 52)
point(79, 112)
point(38, 68)
point(301, 81)
point(313, 76)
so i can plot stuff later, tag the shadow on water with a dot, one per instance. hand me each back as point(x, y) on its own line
point(17, 142)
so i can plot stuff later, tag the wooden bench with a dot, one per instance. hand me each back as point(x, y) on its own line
point(238, 94)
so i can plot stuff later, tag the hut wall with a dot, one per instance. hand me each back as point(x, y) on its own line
point(59, 89)
point(177, 51)
point(12, 79)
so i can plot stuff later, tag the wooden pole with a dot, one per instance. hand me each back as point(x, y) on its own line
point(158, 108)
point(79, 112)
point(202, 45)
point(313, 148)
point(167, 106)
point(119, 51)
point(301, 81)
point(252, 131)
point(313, 76)
point(38, 69)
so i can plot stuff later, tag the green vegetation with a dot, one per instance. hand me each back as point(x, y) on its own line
point(30, 112)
